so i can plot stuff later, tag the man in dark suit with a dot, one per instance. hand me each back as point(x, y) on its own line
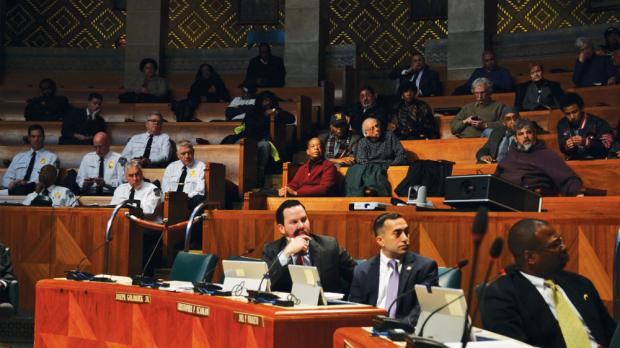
point(300, 246)
point(418, 73)
point(500, 139)
point(539, 303)
point(396, 270)
point(6, 275)
point(538, 93)
point(81, 125)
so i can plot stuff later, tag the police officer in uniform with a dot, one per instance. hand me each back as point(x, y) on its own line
point(46, 192)
point(186, 175)
point(23, 174)
point(152, 148)
point(100, 172)
point(138, 190)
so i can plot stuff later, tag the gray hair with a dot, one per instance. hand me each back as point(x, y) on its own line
point(134, 163)
point(185, 143)
point(482, 81)
point(525, 123)
point(366, 122)
point(581, 42)
point(157, 113)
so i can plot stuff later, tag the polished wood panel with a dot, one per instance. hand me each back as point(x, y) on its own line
point(357, 337)
point(88, 314)
point(45, 242)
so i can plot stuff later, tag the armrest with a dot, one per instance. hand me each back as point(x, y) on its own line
point(13, 292)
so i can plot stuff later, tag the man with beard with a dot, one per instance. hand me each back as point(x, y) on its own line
point(581, 135)
point(368, 106)
point(538, 93)
point(537, 302)
point(496, 148)
point(530, 164)
point(396, 270)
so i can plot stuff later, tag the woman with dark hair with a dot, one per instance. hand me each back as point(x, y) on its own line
point(413, 118)
point(208, 87)
point(147, 87)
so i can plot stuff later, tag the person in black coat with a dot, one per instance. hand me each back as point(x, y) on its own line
point(424, 78)
point(539, 93)
point(367, 107)
point(81, 125)
point(392, 234)
point(299, 245)
point(208, 87)
point(413, 118)
point(266, 70)
point(522, 303)
point(48, 106)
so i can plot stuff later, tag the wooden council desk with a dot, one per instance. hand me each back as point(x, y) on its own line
point(70, 313)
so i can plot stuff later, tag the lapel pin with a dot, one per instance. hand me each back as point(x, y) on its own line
point(408, 268)
point(585, 297)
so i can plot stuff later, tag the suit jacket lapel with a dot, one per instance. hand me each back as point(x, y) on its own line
point(315, 255)
point(373, 281)
point(405, 271)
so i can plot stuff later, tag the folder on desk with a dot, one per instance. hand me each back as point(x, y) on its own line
point(307, 285)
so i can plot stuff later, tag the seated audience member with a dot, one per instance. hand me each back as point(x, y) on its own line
point(478, 118)
point(22, 175)
point(538, 302)
point(240, 106)
point(419, 74)
point(529, 163)
point(100, 171)
point(581, 135)
point(6, 275)
point(208, 87)
point(340, 143)
point(81, 125)
point(538, 93)
point(378, 146)
point(317, 177)
point(614, 152)
point(368, 106)
point(591, 69)
point(136, 189)
point(47, 193)
point(413, 118)
point(612, 48)
point(147, 87)
point(151, 148)
point(48, 106)
point(186, 175)
point(379, 280)
point(266, 70)
point(300, 246)
point(500, 77)
point(502, 137)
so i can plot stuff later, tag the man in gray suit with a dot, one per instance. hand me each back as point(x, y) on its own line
point(395, 271)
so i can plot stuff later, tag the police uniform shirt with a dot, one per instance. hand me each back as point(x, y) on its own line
point(160, 147)
point(61, 197)
point(194, 179)
point(19, 165)
point(148, 194)
point(113, 172)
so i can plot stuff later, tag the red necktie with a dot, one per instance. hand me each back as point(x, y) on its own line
point(300, 260)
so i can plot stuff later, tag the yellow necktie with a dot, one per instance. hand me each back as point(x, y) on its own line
point(575, 335)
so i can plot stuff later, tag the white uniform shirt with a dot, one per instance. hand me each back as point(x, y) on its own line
point(61, 197)
point(384, 277)
point(113, 172)
point(149, 195)
point(194, 180)
point(19, 165)
point(160, 147)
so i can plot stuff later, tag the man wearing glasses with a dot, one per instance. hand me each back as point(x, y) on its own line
point(539, 303)
point(151, 149)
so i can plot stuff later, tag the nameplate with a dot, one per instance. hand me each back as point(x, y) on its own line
point(132, 298)
point(193, 309)
point(248, 319)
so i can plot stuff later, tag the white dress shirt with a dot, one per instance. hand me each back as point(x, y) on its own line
point(113, 172)
point(547, 294)
point(194, 180)
point(61, 197)
point(384, 277)
point(149, 195)
point(19, 165)
point(160, 147)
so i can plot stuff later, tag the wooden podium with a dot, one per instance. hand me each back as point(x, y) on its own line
point(70, 313)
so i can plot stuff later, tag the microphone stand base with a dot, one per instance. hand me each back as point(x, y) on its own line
point(423, 342)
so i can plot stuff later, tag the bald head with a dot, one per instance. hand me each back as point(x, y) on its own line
point(522, 236)
point(48, 175)
point(101, 142)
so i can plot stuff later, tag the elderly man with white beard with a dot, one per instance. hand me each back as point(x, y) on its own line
point(530, 164)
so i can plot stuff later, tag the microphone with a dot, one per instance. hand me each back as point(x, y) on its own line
point(108, 235)
point(479, 229)
point(495, 252)
point(141, 279)
point(384, 323)
point(76, 274)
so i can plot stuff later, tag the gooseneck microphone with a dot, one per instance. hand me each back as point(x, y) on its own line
point(479, 229)
point(108, 236)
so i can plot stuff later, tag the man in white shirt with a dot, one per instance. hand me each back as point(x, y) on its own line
point(185, 175)
point(540, 304)
point(151, 148)
point(136, 189)
point(46, 193)
point(22, 175)
point(100, 172)
point(379, 280)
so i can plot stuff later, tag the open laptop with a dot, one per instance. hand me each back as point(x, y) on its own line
point(244, 275)
point(308, 289)
point(452, 316)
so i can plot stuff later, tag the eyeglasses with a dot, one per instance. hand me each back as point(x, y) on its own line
point(156, 121)
point(555, 245)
